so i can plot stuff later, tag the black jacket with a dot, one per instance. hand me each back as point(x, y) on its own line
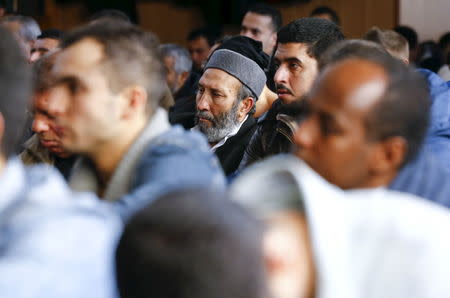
point(230, 154)
point(274, 132)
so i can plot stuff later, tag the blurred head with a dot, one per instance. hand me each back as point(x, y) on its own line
point(113, 15)
point(327, 13)
point(392, 41)
point(300, 46)
point(108, 80)
point(287, 244)
point(191, 244)
point(261, 22)
point(178, 64)
point(411, 36)
point(44, 125)
point(199, 43)
point(47, 42)
point(15, 86)
point(429, 56)
point(227, 94)
point(444, 45)
point(26, 30)
point(368, 117)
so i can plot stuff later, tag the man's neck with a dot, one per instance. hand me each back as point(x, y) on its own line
point(2, 163)
point(107, 156)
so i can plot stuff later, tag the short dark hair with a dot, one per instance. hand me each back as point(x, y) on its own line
point(403, 110)
point(267, 10)
point(326, 10)
point(208, 33)
point(131, 56)
point(191, 244)
point(410, 34)
point(15, 85)
point(52, 33)
point(317, 34)
point(110, 14)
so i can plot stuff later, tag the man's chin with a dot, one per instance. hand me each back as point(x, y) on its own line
point(287, 98)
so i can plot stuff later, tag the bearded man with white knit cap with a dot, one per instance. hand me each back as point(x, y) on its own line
point(227, 92)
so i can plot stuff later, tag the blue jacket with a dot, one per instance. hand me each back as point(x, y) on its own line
point(438, 137)
point(175, 160)
point(162, 159)
point(428, 175)
point(53, 244)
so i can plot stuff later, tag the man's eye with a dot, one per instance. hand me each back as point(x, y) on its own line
point(294, 66)
point(73, 87)
point(217, 94)
point(276, 65)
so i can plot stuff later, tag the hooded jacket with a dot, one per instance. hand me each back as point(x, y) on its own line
point(367, 243)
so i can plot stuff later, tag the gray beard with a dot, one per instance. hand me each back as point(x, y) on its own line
point(222, 125)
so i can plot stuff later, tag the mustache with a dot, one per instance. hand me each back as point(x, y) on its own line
point(205, 115)
point(281, 86)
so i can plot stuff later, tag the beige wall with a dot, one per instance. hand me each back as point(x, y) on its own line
point(172, 24)
point(429, 17)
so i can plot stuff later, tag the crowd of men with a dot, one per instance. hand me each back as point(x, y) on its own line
point(283, 162)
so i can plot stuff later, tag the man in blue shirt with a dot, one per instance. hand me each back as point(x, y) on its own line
point(52, 243)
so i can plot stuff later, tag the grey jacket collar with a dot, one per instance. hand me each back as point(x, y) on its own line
point(84, 177)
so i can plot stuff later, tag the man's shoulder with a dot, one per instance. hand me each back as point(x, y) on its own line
point(178, 137)
point(47, 197)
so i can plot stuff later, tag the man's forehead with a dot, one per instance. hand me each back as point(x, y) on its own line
point(218, 79)
point(257, 21)
point(82, 55)
point(292, 50)
point(199, 42)
point(42, 42)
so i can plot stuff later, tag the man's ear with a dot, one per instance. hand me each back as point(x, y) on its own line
point(182, 78)
point(246, 106)
point(134, 101)
point(389, 155)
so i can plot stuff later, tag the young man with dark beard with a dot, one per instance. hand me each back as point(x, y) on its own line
point(301, 44)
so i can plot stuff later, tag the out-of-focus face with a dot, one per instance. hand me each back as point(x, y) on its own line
point(174, 81)
point(83, 104)
point(199, 50)
point(45, 127)
point(259, 27)
point(288, 255)
point(14, 27)
point(333, 140)
point(218, 109)
point(42, 46)
point(296, 71)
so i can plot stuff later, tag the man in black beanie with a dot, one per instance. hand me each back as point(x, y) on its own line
point(226, 97)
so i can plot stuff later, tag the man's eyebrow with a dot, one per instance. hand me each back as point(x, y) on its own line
point(43, 112)
point(293, 60)
point(67, 79)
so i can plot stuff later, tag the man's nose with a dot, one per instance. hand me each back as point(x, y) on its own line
point(39, 125)
point(281, 75)
point(202, 102)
